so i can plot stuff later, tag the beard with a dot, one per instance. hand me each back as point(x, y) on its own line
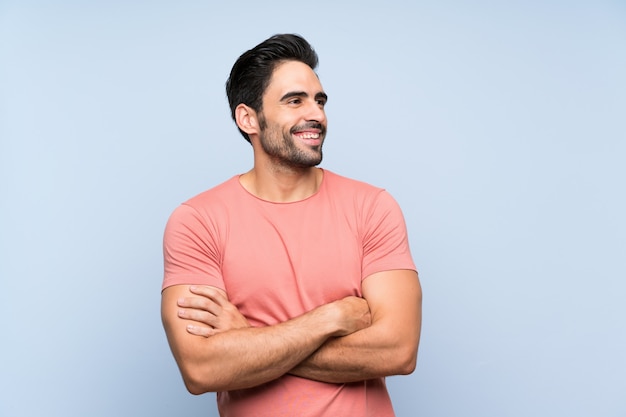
point(281, 146)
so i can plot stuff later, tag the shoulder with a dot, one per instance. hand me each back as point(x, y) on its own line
point(213, 203)
point(340, 183)
point(223, 192)
point(363, 193)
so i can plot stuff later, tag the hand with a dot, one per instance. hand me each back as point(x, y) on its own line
point(212, 309)
point(354, 315)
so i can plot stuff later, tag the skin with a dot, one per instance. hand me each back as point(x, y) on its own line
point(284, 157)
point(346, 340)
point(237, 356)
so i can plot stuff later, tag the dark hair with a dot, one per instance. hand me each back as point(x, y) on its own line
point(252, 72)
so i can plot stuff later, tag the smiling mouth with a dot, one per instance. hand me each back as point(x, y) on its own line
point(311, 130)
point(308, 135)
point(310, 139)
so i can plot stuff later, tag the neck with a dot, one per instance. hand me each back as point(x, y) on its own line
point(282, 185)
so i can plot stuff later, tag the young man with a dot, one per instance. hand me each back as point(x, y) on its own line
point(289, 290)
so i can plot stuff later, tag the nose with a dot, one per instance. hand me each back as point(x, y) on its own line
point(315, 112)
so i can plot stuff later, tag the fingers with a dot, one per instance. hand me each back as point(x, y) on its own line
point(199, 315)
point(355, 315)
point(210, 306)
point(214, 294)
point(200, 330)
point(207, 291)
point(210, 299)
point(203, 307)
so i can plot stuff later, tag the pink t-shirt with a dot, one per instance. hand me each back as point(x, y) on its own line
point(277, 261)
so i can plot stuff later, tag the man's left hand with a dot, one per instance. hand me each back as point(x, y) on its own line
point(212, 310)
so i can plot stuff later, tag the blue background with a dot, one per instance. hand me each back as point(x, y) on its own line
point(498, 126)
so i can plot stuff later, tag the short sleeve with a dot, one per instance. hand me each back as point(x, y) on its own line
point(191, 250)
point(385, 241)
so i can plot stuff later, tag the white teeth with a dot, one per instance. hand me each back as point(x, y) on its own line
point(309, 135)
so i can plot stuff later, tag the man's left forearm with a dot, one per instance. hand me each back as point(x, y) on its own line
point(363, 355)
point(387, 347)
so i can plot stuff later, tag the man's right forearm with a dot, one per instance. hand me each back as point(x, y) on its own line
point(243, 358)
point(246, 357)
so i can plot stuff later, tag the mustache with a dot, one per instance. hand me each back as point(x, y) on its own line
point(309, 125)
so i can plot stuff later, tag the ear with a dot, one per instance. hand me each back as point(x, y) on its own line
point(246, 119)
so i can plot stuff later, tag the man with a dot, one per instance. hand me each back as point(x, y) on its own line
point(289, 290)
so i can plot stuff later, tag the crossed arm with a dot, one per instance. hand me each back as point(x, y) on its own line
point(343, 341)
point(387, 347)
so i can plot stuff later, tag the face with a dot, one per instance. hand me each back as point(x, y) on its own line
point(293, 123)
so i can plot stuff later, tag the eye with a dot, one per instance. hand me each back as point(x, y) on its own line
point(295, 101)
point(321, 99)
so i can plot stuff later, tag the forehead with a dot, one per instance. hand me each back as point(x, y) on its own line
point(293, 76)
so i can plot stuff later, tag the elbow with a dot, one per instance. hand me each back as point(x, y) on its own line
point(201, 376)
point(194, 389)
point(194, 385)
point(405, 361)
point(408, 366)
point(400, 354)
point(197, 382)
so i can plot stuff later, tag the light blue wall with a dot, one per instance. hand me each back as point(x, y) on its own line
point(498, 126)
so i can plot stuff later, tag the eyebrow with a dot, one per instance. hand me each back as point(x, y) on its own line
point(320, 95)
